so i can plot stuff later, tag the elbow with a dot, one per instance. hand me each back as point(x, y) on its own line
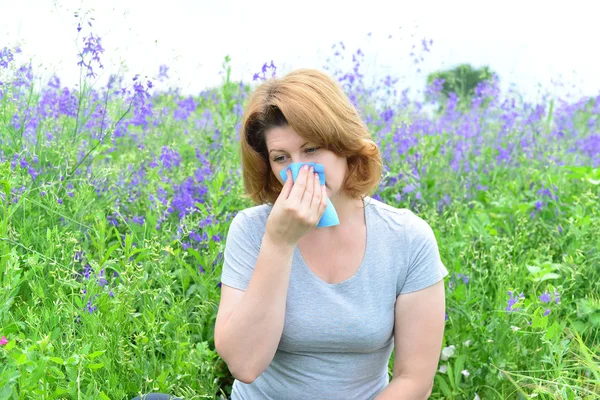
point(243, 373)
point(238, 369)
point(244, 376)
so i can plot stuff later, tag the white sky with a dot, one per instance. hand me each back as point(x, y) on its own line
point(526, 41)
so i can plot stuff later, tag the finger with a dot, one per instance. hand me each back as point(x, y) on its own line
point(299, 185)
point(317, 195)
point(324, 201)
point(287, 187)
point(310, 188)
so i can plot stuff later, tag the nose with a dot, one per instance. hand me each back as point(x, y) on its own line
point(300, 159)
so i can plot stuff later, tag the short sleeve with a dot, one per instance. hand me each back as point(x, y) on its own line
point(424, 265)
point(241, 253)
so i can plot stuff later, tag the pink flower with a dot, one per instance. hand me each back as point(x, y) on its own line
point(3, 341)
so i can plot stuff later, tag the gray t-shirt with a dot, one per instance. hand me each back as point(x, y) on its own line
point(337, 338)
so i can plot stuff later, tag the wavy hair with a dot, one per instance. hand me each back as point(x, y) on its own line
point(318, 110)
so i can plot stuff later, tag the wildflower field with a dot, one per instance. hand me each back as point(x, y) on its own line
point(115, 202)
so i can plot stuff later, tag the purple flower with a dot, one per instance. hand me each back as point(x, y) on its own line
point(6, 56)
point(409, 188)
point(443, 202)
point(556, 296)
point(60, 201)
point(33, 173)
point(264, 69)
point(102, 280)
point(185, 109)
point(169, 158)
point(91, 308)
point(93, 48)
point(195, 237)
point(162, 72)
point(86, 271)
point(539, 205)
point(512, 301)
point(546, 312)
point(23, 162)
point(545, 297)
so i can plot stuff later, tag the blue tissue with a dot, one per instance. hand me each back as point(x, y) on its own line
point(330, 217)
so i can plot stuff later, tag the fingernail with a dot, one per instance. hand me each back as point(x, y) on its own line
point(305, 167)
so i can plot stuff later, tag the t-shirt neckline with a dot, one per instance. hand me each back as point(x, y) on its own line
point(366, 254)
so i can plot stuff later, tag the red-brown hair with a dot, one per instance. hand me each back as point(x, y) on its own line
point(317, 109)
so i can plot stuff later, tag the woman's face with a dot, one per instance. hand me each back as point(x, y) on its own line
point(285, 147)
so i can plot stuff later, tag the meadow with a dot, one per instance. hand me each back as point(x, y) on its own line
point(115, 203)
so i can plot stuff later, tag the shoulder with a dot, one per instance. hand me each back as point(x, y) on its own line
point(399, 218)
point(259, 212)
point(399, 224)
point(252, 218)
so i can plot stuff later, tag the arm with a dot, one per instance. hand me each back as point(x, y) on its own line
point(249, 324)
point(418, 334)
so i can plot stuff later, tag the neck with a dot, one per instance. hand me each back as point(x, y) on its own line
point(350, 211)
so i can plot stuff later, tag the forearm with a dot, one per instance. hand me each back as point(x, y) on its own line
point(250, 336)
point(402, 388)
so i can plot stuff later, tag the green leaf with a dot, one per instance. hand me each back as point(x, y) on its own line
point(60, 391)
point(108, 253)
point(103, 396)
point(57, 360)
point(9, 346)
point(553, 331)
point(549, 275)
point(595, 319)
point(450, 375)
point(533, 269)
point(539, 322)
point(78, 302)
point(95, 366)
point(196, 254)
point(95, 354)
point(22, 359)
point(459, 365)
point(73, 360)
point(443, 385)
point(57, 373)
point(460, 293)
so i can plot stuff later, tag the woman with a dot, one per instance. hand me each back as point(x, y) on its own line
point(314, 313)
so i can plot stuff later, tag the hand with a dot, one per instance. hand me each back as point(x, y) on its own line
point(298, 209)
